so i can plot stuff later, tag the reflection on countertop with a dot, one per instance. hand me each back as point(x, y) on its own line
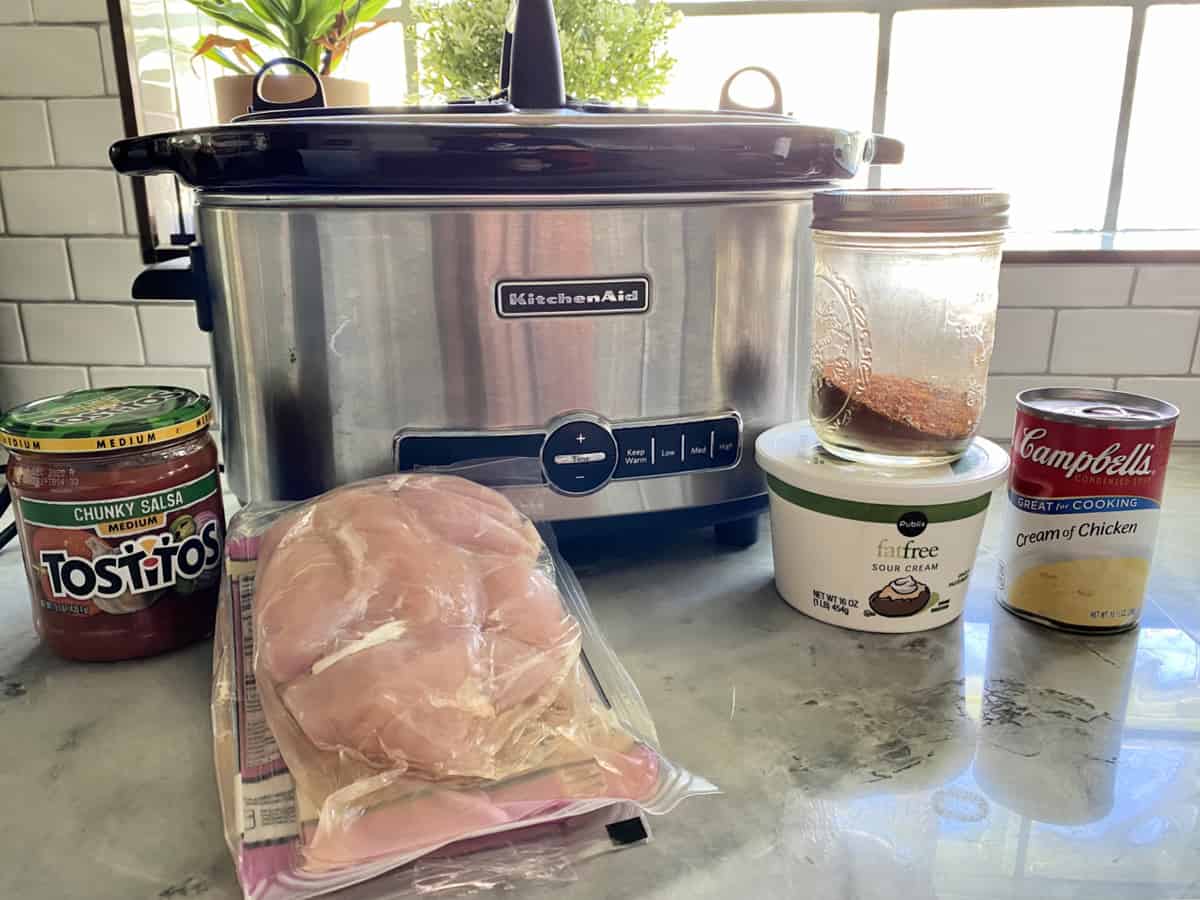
point(991, 758)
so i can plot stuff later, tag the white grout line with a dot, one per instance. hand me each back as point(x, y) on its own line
point(21, 331)
point(1053, 334)
point(71, 269)
point(1195, 349)
point(1133, 285)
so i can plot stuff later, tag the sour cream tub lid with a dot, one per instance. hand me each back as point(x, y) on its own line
point(793, 455)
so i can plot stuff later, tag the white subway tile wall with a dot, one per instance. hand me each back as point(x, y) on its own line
point(109, 61)
point(16, 12)
point(127, 206)
point(1167, 286)
point(1124, 341)
point(61, 201)
point(20, 384)
point(12, 344)
point(34, 269)
point(24, 134)
point(104, 268)
point(69, 10)
point(83, 130)
point(50, 62)
point(1057, 286)
point(81, 333)
point(68, 235)
point(1022, 340)
point(172, 337)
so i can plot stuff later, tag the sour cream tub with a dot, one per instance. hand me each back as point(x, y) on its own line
point(869, 548)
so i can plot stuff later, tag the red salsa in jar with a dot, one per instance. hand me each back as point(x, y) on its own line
point(118, 503)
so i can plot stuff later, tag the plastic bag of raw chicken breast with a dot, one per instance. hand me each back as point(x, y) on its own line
point(409, 687)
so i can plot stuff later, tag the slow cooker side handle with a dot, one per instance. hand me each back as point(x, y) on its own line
point(885, 151)
point(178, 279)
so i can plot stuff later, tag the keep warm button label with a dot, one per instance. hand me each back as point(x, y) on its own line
point(635, 452)
point(635, 457)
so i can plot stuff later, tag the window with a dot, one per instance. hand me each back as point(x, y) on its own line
point(1077, 107)
point(1158, 191)
point(824, 61)
point(1042, 126)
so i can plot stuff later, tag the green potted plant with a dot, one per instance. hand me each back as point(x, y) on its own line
point(318, 32)
point(611, 50)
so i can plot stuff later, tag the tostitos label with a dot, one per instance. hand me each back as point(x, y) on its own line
point(120, 555)
point(1081, 521)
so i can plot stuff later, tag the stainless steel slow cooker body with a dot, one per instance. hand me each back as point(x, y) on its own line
point(614, 300)
point(343, 323)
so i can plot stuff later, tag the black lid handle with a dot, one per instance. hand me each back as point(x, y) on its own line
point(259, 103)
point(535, 72)
point(729, 104)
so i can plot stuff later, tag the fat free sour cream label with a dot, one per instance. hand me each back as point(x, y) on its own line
point(874, 567)
point(1083, 507)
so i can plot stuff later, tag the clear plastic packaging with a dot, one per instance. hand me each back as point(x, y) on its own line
point(403, 671)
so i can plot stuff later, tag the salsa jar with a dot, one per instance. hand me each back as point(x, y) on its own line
point(117, 497)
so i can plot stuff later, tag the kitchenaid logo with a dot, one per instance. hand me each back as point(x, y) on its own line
point(1109, 461)
point(517, 299)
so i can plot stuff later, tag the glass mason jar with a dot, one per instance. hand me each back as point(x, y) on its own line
point(903, 317)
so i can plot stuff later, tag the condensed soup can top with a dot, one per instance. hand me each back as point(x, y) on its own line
point(1097, 408)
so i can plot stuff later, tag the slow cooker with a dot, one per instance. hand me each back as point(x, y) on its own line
point(619, 296)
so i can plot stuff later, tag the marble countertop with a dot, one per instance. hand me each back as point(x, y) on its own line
point(988, 759)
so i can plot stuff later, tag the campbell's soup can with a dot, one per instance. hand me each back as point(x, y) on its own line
point(1084, 492)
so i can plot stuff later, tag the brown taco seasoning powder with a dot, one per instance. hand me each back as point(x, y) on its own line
point(896, 414)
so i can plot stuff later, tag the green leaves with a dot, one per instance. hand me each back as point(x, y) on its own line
point(304, 29)
point(612, 50)
point(241, 18)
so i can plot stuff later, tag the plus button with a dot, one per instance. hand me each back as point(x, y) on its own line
point(580, 438)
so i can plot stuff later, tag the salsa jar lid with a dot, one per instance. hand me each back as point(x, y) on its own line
point(104, 420)
point(792, 455)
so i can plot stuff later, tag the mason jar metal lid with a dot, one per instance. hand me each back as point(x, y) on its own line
point(911, 211)
point(103, 420)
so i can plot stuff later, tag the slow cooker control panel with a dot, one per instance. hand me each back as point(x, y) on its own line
point(579, 453)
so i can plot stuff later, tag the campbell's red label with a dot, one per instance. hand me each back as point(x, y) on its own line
point(1060, 460)
point(1081, 521)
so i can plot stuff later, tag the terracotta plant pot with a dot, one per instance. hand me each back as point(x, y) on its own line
point(232, 92)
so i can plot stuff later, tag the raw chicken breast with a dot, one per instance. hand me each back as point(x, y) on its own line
point(414, 658)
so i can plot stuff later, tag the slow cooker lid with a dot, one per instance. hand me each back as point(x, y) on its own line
point(531, 137)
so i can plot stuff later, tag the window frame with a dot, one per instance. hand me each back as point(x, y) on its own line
point(886, 10)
